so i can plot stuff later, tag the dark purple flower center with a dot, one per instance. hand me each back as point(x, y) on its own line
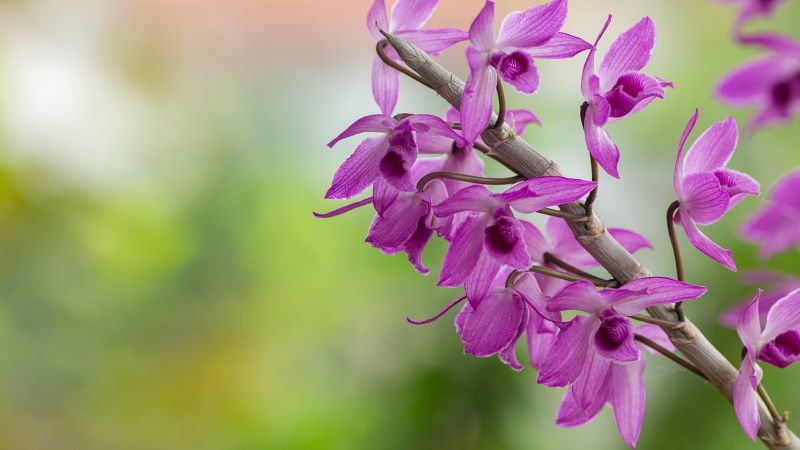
point(511, 65)
point(785, 93)
point(624, 96)
point(393, 165)
point(504, 235)
point(783, 350)
point(613, 332)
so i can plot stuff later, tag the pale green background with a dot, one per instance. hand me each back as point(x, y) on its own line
point(163, 284)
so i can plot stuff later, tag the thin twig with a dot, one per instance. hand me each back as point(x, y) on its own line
point(549, 257)
point(776, 416)
point(380, 47)
point(662, 323)
point(568, 276)
point(676, 251)
point(563, 215)
point(501, 99)
point(592, 195)
point(660, 349)
point(468, 178)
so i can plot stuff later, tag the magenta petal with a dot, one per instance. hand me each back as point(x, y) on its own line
point(628, 399)
point(677, 175)
point(565, 360)
point(396, 165)
point(745, 399)
point(474, 198)
point(566, 247)
point(411, 14)
point(481, 32)
point(579, 296)
point(434, 41)
point(737, 185)
point(614, 339)
point(651, 291)
point(704, 244)
point(430, 124)
point(480, 278)
point(704, 198)
point(398, 224)
point(590, 84)
point(504, 241)
point(385, 85)
point(476, 104)
point(592, 382)
point(521, 118)
point(751, 82)
point(713, 148)
point(492, 326)
point(629, 53)
point(783, 316)
point(509, 354)
point(383, 195)
point(532, 27)
point(376, 18)
point(517, 68)
point(601, 147)
point(539, 335)
point(535, 242)
point(376, 123)
point(541, 192)
point(464, 251)
point(415, 245)
point(571, 414)
point(657, 335)
point(774, 228)
point(562, 45)
point(632, 92)
point(359, 170)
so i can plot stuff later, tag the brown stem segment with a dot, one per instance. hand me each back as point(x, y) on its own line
point(551, 258)
point(569, 277)
point(660, 349)
point(676, 251)
point(468, 178)
point(591, 234)
point(501, 100)
point(563, 215)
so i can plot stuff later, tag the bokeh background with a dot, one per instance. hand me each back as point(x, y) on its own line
point(163, 284)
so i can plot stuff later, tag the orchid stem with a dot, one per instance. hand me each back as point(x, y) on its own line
point(549, 257)
point(662, 323)
point(563, 215)
point(569, 277)
point(444, 311)
point(677, 359)
point(773, 411)
point(468, 178)
point(676, 251)
point(501, 99)
point(592, 195)
point(380, 47)
point(512, 278)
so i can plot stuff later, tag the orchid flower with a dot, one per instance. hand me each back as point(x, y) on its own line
point(771, 84)
point(776, 226)
point(388, 157)
point(504, 314)
point(705, 188)
point(493, 236)
point(618, 89)
point(779, 284)
point(524, 35)
point(620, 385)
point(408, 16)
point(607, 330)
point(778, 343)
point(751, 9)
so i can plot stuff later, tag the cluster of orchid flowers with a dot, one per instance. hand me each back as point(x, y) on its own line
point(517, 280)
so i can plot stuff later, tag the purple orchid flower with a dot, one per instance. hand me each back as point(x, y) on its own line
point(493, 237)
point(750, 9)
point(524, 35)
point(504, 314)
point(772, 83)
point(388, 158)
point(705, 188)
point(778, 343)
point(779, 284)
point(408, 16)
point(618, 89)
point(620, 385)
point(775, 227)
point(607, 330)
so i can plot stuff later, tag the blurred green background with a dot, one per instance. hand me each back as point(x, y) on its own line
point(163, 284)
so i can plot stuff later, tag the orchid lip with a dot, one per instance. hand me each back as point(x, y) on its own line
point(614, 330)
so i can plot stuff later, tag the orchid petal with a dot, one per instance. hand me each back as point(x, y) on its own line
point(398, 224)
point(588, 75)
point(628, 399)
point(592, 382)
point(383, 195)
point(657, 335)
point(415, 245)
point(532, 27)
point(752, 81)
point(704, 199)
point(539, 336)
point(601, 147)
point(493, 325)
point(737, 185)
point(745, 400)
point(651, 291)
point(411, 14)
point(614, 339)
point(476, 103)
point(464, 251)
point(434, 42)
point(783, 316)
point(479, 281)
point(562, 45)
point(376, 123)
point(565, 360)
point(571, 414)
point(749, 325)
point(359, 170)
point(517, 68)
point(629, 53)
point(713, 149)
point(578, 296)
point(677, 175)
point(385, 85)
point(504, 241)
point(541, 192)
point(704, 244)
point(474, 198)
point(430, 124)
point(481, 32)
point(376, 19)
point(521, 118)
point(535, 241)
